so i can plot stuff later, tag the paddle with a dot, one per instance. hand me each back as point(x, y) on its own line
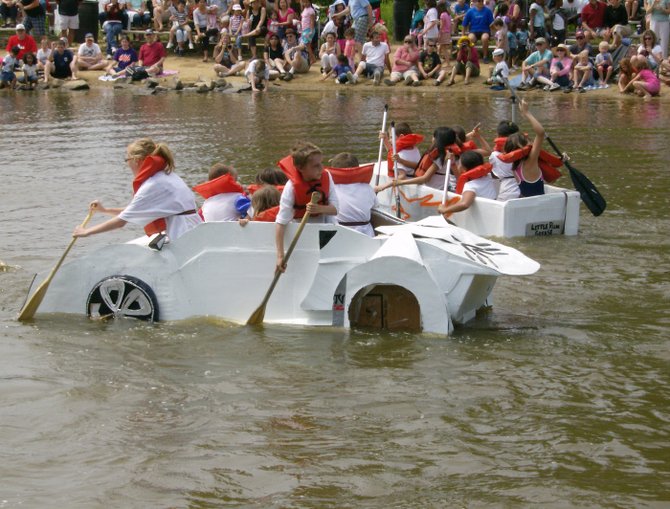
point(34, 301)
point(446, 181)
point(593, 200)
point(398, 213)
point(381, 145)
point(257, 316)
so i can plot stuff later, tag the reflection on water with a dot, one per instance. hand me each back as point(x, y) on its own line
point(558, 397)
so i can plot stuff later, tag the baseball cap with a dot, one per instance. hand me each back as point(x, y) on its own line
point(149, 31)
point(237, 7)
point(20, 26)
point(498, 52)
point(89, 36)
point(540, 40)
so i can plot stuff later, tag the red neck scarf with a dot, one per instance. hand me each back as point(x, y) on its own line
point(149, 167)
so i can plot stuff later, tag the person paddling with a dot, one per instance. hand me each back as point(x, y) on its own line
point(304, 168)
point(161, 200)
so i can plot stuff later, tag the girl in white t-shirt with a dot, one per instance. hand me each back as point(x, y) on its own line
point(161, 200)
point(481, 187)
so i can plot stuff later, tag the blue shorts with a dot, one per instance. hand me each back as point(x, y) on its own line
point(8, 76)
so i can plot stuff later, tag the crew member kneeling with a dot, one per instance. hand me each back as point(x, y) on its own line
point(304, 168)
point(473, 180)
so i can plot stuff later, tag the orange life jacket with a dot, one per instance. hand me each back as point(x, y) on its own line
point(149, 167)
point(499, 144)
point(475, 173)
point(302, 190)
point(268, 215)
point(468, 145)
point(402, 143)
point(548, 163)
point(356, 175)
point(252, 188)
point(425, 162)
point(223, 184)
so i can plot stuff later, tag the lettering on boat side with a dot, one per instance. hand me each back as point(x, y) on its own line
point(339, 298)
point(543, 229)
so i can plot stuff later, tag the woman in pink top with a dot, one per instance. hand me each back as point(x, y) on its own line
point(560, 68)
point(285, 16)
point(405, 64)
point(645, 83)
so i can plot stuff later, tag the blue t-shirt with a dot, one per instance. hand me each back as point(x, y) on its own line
point(358, 8)
point(478, 21)
point(341, 69)
point(125, 57)
point(511, 40)
point(62, 63)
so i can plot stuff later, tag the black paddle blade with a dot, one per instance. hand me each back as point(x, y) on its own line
point(593, 200)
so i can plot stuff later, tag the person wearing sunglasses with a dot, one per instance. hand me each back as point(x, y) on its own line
point(650, 49)
point(580, 45)
point(405, 61)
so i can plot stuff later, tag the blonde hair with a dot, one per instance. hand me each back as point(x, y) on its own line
point(302, 151)
point(265, 198)
point(144, 147)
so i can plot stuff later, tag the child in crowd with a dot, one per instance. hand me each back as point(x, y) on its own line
point(355, 195)
point(274, 57)
point(350, 46)
point(583, 72)
point(500, 72)
point(43, 53)
point(29, 78)
point(221, 192)
point(273, 23)
point(645, 83)
point(180, 30)
point(236, 22)
point(258, 75)
point(328, 53)
point(458, 11)
point(308, 26)
point(523, 41)
point(604, 64)
point(264, 205)
point(499, 30)
point(513, 46)
point(509, 188)
point(9, 64)
point(473, 180)
point(407, 153)
point(625, 75)
point(342, 71)
point(304, 168)
point(444, 37)
point(559, 22)
point(417, 33)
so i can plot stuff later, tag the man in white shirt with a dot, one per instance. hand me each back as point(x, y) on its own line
point(88, 57)
point(375, 56)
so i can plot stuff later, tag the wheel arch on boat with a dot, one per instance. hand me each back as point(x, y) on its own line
point(387, 284)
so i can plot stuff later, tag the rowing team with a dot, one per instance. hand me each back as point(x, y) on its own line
point(162, 202)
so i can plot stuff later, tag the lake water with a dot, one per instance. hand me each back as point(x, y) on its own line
point(560, 397)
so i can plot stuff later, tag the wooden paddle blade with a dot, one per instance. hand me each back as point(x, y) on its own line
point(30, 307)
point(593, 200)
point(257, 316)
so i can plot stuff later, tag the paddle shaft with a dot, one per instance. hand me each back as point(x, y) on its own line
point(259, 314)
point(381, 145)
point(398, 213)
point(590, 195)
point(31, 305)
point(446, 182)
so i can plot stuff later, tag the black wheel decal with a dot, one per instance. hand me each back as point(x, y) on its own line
point(122, 297)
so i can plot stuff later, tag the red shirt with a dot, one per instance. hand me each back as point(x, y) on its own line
point(152, 53)
point(594, 15)
point(27, 45)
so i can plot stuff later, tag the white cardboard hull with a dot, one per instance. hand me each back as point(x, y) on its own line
point(223, 270)
point(554, 213)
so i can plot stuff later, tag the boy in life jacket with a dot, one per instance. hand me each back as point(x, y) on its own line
point(509, 188)
point(473, 180)
point(304, 168)
point(408, 155)
point(221, 192)
point(354, 193)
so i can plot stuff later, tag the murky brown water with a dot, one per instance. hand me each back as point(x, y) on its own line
point(559, 398)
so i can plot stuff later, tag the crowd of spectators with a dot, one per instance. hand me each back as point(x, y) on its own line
point(350, 40)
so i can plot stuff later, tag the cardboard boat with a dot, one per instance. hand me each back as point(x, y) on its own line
point(410, 276)
point(554, 213)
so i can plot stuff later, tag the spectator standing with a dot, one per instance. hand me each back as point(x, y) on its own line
point(431, 27)
point(361, 13)
point(537, 17)
point(34, 17)
point(68, 18)
point(660, 23)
